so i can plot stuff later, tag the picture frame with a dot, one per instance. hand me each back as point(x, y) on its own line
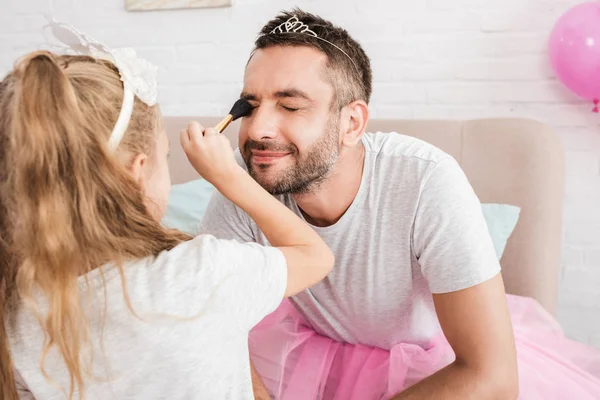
point(147, 5)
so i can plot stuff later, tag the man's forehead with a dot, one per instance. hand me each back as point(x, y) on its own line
point(303, 56)
point(285, 69)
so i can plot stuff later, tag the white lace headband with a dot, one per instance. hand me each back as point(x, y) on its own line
point(294, 25)
point(137, 74)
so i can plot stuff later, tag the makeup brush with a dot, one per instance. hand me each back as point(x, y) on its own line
point(241, 108)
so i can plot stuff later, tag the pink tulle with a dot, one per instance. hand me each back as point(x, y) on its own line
point(298, 364)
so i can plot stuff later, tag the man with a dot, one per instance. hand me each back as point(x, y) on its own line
point(413, 256)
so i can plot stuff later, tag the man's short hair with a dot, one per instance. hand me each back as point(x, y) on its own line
point(350, 73)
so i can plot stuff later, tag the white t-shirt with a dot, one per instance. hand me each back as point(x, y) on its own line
point(196, 305)
point(415, 228)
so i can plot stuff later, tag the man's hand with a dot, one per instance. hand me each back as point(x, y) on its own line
point(477, 325)
point(259, 388)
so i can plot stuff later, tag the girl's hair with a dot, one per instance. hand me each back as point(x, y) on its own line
point(67, 205)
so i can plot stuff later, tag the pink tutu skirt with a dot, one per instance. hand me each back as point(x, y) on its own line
point(296, 363)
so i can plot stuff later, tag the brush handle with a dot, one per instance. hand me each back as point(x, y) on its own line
point(224, 123)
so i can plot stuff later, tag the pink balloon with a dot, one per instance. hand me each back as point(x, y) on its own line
point(575, 50)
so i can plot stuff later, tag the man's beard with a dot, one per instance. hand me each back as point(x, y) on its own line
point(307, 172)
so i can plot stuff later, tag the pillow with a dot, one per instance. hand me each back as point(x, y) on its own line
point(501, 220)
point(188, 202)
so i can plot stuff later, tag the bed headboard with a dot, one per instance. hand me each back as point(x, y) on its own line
point(510, 161)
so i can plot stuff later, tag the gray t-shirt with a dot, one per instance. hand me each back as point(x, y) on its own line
point(415, 228)
point(196, 305)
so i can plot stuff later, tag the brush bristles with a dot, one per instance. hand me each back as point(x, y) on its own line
point(241, 108)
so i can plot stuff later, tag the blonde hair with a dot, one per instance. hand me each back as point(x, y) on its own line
point(67, 206)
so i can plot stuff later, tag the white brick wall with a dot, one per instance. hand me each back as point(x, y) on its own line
point(431, 59)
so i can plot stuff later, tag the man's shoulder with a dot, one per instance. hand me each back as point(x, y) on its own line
point(394, 147)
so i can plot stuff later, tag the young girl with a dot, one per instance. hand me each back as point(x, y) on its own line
point(98, 299)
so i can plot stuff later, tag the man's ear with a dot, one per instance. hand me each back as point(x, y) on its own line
point(357, 116)
point(137, 168)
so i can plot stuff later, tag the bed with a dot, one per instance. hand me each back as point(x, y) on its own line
point(508, 161)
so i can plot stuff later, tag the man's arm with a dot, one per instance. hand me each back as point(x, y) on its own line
point(258, 387)
point(477, 325)
point(459, 262)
